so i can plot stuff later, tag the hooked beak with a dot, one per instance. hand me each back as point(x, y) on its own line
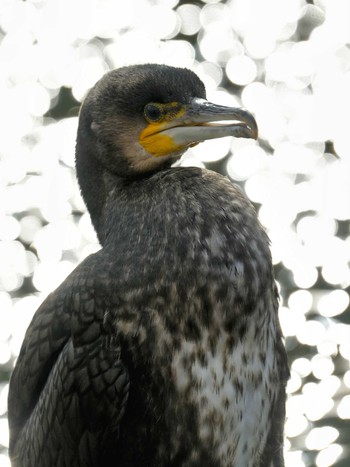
point(194, 123)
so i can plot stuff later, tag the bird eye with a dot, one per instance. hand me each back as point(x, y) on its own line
point(153, 113)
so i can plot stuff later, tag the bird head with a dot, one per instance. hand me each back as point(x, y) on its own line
point(141, 118)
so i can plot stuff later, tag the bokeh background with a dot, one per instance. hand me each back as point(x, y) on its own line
point(288, 61)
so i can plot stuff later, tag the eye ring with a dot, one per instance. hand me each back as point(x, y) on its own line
point(154, 113)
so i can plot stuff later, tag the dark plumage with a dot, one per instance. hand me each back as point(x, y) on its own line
point(164, 348)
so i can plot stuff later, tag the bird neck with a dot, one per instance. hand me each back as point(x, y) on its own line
point(92, 175)
point(91, 181)
point(103, 191)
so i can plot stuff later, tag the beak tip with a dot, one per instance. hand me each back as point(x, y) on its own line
point(253, 126)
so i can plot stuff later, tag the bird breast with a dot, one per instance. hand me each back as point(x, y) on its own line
point(232, 386)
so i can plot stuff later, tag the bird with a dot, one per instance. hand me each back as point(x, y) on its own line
point(164, 347)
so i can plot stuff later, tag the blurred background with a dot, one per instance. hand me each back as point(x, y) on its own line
point(287, 61)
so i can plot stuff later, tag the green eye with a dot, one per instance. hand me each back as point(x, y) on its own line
point(153, 113)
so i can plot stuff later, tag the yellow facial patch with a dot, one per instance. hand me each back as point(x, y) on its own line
point(152, 139)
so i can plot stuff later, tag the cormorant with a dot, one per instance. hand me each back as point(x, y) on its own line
point(164, 348)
